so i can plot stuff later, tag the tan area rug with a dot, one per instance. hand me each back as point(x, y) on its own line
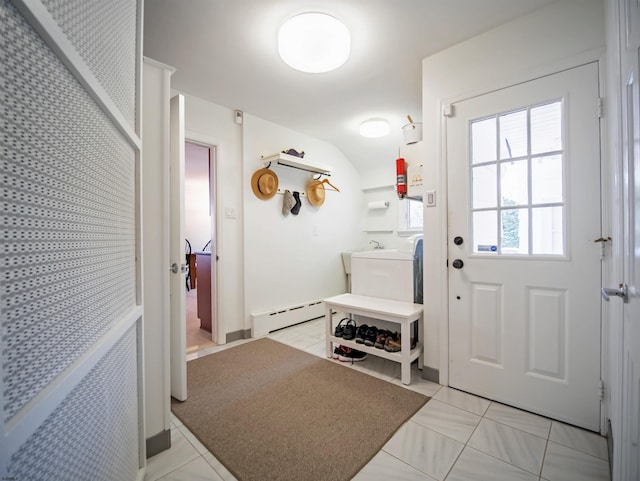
point(268, 411)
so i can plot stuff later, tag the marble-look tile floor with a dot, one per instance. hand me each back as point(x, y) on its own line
point(455, 437)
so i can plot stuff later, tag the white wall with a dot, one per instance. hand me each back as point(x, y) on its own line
point(558, 36)
point(294, 259)
point(214, 122)
point(379, 184)
point(267, 260)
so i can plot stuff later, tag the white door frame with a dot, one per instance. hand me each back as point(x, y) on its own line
point(443, 106)
point(217, 323)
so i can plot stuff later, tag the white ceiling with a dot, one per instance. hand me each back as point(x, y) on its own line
point(225, 51)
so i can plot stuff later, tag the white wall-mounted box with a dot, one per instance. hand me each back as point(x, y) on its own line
point(415, 183)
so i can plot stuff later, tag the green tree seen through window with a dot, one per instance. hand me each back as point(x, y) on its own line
point(510, 226)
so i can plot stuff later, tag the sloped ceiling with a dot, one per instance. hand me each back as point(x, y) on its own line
point(225, 51)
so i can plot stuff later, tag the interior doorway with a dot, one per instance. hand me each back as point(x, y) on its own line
point(199, 213)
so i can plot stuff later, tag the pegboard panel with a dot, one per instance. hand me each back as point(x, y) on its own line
point(104, 444)
point(104, 34)
point(67, 263)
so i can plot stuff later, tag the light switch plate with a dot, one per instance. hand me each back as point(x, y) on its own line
point(430, 198)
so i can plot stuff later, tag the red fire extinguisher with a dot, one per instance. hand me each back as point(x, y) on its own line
point(401, 176)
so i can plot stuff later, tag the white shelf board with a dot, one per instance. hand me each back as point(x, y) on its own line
point(297, 163)
point(391, 356)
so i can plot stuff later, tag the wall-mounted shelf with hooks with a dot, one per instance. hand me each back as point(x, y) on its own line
point(300, 193)
point(296, 163)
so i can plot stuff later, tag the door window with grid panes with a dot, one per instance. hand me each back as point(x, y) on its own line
point(517, 182)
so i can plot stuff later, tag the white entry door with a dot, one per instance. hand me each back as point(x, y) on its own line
point(630, 63)
point(524, 270)
point(177, 285)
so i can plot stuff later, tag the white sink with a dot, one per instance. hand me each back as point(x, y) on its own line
point(373, 254)
point(395, 254)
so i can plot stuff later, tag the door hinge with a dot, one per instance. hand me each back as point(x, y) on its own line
point(602, 241)
point(601, 389)
point(599, 107)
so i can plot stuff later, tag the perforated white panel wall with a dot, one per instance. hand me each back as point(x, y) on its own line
point(101, 447)
point(67, 262)
point(104, 34)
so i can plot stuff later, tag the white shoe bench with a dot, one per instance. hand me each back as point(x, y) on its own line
point(403, 313)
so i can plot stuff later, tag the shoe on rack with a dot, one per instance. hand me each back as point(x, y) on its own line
point(347, 354)
point(349, 330)
point(340, 328)
point(361, 333)
point(392, 343)
point(370, 336)
point(336, 352)
point(381, 338)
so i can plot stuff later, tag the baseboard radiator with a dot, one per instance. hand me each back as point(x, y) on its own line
point(265, 322)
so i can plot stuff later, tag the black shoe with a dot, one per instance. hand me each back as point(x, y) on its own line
point(347, 354)
point(370, 336)
point(349, 330)
point(361, 333)
point(340, 328)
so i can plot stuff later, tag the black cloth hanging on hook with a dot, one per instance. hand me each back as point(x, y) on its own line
point(296, 208)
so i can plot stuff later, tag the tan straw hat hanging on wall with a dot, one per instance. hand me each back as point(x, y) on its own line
point(315, 192)
point(264, 183)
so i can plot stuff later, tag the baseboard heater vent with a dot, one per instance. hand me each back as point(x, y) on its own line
point(265, 322)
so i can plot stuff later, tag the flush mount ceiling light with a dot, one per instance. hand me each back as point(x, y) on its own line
point(374, 128)
point(314, 42)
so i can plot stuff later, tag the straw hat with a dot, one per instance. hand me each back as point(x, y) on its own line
point(264, 183)
point(315, 193)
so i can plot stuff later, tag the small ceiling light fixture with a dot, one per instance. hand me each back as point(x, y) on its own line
point(314, 42)
point(374, 128)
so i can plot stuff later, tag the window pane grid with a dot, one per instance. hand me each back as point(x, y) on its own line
point(517, 190)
